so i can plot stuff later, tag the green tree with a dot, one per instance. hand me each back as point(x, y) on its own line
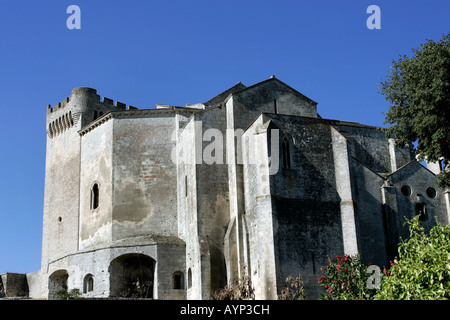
point(422, 271)
point(418, 89)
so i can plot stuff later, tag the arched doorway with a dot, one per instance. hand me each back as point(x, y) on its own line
point(131, 276)
point(57, 282)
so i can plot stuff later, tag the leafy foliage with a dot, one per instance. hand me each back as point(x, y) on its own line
point(346, 279)
point(423, 269)
point(418, 89)
point(63, 294)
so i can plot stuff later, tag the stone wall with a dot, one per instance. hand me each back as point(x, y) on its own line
point(13, 285)
point(251, 183)
point(96, 169)
point(144, 176)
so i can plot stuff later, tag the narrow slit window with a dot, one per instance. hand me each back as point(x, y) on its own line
point(189, 278)
point(94, 196)
point(286, 153)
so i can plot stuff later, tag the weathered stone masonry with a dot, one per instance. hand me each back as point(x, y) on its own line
point(130, 196)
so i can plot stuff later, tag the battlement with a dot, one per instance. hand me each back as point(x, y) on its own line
point(83, 100)
point(93, 97)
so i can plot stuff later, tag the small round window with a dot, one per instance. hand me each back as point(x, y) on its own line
point(431, 192)
point(406, 191)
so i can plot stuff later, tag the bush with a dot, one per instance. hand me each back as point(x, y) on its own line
point(345, 279)
point(423, 268)
point(238, 290)
point(63, 294)
point(294, 289)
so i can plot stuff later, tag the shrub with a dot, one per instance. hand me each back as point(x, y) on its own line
point(238, 290)
point(423, 268)
point(63, 294)
point(345, 279)
point(294, 289)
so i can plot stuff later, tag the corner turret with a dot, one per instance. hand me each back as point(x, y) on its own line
point(77, 111)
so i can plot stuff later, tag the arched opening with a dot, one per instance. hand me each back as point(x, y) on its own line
point(178, 280)
point(94, 196)
point(131, 276)
point(88, 283)
point(189, 278)
point(57, 282)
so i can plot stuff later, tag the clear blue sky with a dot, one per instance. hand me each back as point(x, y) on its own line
point(177, 52)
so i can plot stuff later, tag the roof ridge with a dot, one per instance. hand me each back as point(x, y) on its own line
point(273, 78)
point(223, 95)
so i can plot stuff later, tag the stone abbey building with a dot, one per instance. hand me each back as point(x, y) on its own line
point(176, 202)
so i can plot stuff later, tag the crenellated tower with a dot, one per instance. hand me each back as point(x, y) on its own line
point(62, 173)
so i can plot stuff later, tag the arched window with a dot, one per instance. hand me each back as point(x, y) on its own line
point(94, 196)
point(178, 280)
point(88, 283)
point(285, 153)
point(189, 278)
point(95, 114)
